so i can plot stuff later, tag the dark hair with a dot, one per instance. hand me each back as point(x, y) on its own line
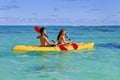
point(41, 30)
point(60, 33)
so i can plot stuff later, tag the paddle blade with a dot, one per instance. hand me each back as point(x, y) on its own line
point(37, 29)
point(75, 46)
point(63, 48)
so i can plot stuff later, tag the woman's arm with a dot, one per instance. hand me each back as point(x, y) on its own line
point(63, 39)
point(46, 40)
point(38, 36)
point(65, 42)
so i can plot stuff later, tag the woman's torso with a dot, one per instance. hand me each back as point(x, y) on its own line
point(60, 40)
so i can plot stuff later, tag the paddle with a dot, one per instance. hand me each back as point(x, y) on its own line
point(53, 41)
point(75, 46)
point(63, 48)
point(37, 29)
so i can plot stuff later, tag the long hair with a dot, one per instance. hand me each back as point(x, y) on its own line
point(41, 31)
point(60, 33)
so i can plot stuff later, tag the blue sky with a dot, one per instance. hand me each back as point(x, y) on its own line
point(59, 12)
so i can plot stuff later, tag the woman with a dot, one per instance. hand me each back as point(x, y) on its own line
point(44, 38)
point(61, 38)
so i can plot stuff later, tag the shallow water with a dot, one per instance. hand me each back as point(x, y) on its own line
point(102, 63)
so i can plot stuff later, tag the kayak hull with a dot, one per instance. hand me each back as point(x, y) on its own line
point(26, 48)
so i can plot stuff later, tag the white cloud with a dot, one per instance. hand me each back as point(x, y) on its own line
point(17, 20)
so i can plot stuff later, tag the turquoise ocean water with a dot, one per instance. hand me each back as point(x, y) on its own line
point(102, 63)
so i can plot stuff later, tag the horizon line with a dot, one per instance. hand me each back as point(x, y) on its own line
point(53, 25)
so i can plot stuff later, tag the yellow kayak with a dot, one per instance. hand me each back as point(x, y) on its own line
point(26, 48)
